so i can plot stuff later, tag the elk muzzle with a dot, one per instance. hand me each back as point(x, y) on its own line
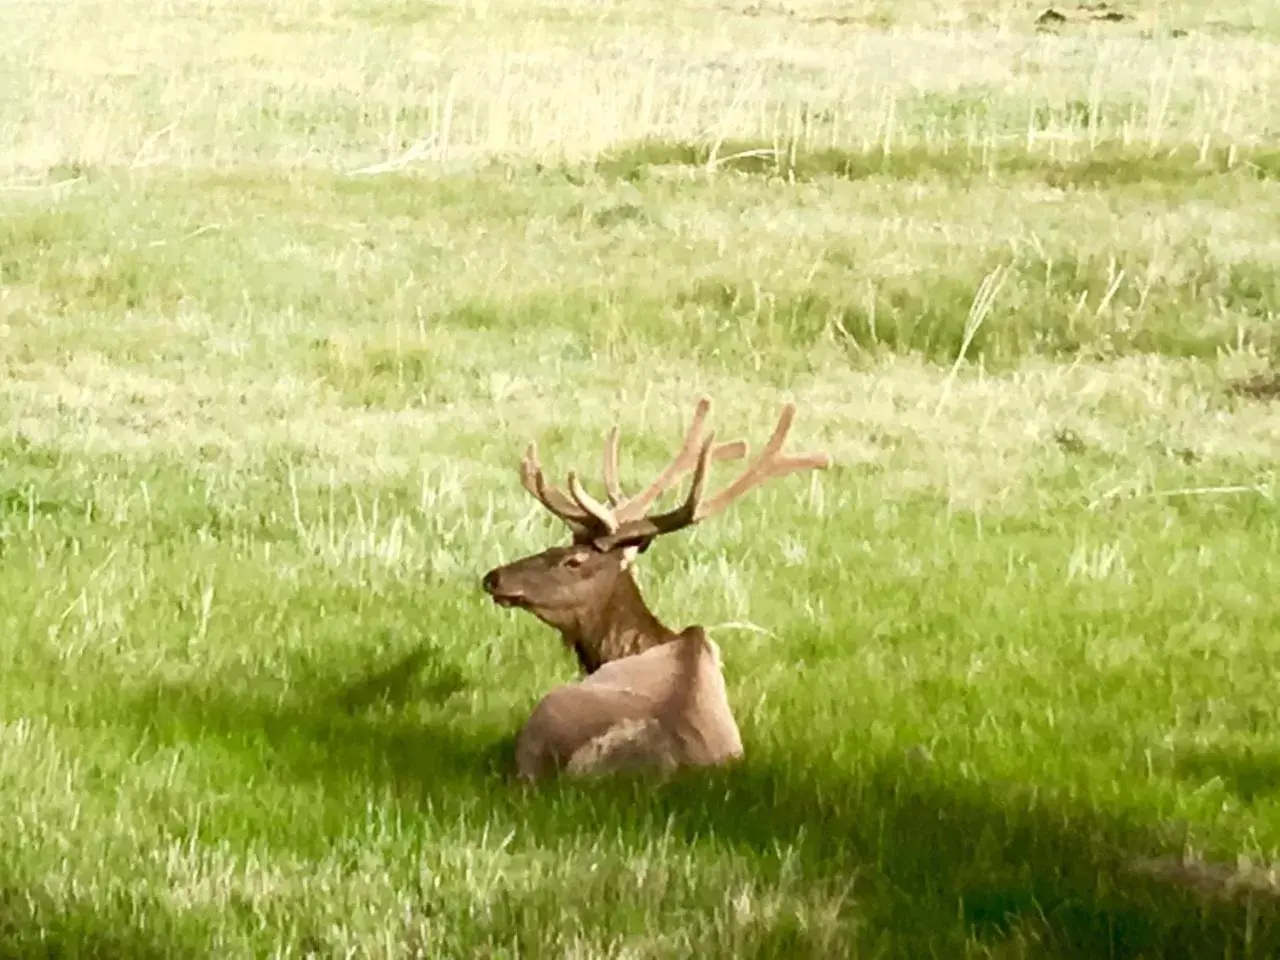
point(502, 593)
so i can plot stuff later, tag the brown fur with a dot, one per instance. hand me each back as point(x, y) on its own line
point(664, 708)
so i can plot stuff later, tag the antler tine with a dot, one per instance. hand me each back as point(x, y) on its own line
point(602, 514)
point(611, 485)
point(673, 520)
point(531, 478)
point(733, 450)
point(769, 464)
point(636, 506)
point(690, 506)
point(686, 459)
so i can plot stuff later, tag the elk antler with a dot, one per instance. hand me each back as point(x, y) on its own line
point(771, 463)
point(580, 522)
point(588, 518)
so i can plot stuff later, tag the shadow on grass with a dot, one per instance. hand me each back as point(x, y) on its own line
point(421, 674)
point(953, 860)
point(1109, 164)
point(364, 728)
point(1251, 774)
point(933, 861)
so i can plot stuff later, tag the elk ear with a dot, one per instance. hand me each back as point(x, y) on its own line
point(634, 545)
point(629, 548)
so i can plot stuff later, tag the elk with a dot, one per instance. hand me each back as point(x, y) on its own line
point(649, 697)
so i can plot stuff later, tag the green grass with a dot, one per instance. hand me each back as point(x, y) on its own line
point(285, 289)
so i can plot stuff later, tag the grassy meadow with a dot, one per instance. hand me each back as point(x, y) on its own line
point(286, 288)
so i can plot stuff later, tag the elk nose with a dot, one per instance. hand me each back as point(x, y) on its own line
point(490, 581)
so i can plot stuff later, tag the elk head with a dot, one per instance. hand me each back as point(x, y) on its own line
point(585, 590)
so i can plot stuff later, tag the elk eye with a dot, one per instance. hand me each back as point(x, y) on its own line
point(573, 560)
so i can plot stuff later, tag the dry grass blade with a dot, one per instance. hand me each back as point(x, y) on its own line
point(983, 301)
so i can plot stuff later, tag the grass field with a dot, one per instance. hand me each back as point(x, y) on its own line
point(285, 289)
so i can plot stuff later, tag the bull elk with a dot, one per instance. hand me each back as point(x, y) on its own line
point(649, 697)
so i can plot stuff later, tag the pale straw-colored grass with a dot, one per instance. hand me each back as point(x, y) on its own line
point(156, 82)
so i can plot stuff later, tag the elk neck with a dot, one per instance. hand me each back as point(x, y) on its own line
point(620, 627)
